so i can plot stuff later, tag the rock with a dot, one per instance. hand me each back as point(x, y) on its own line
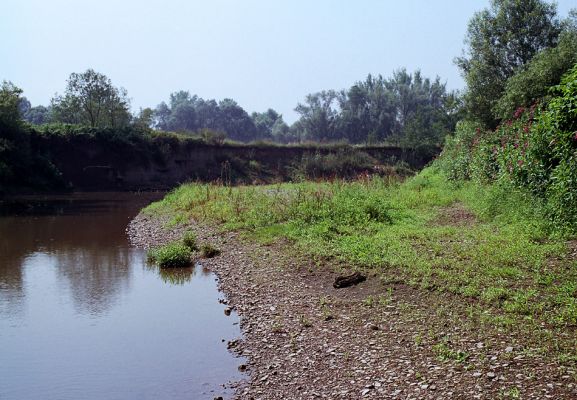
point(509, 349)
point(227, 311)
point(242, 367)
point(491, 375)
point(372, 327)
point(344, 281)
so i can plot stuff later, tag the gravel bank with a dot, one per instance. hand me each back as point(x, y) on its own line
point(305, 340)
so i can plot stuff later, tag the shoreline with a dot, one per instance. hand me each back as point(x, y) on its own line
point(303, 339)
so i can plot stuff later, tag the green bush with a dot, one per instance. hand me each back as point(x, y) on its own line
point(533, 81)
point(534, 151)
point(345, 162)
point(172, 255)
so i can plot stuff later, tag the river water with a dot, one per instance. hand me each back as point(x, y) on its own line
point(82, 315)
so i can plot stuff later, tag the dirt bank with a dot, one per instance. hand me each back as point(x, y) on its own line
point(378, 340)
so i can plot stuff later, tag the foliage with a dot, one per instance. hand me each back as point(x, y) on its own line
point(406, 108)
point(500, 40)
point(208, 251)
point(532, 82)
point(189, 240)
point(91, 99)
point(535, 151)
point(343, 163)
point(498, 254)
point(9, 109)
point(20, 166)
point(172, 255)
point(188, 113)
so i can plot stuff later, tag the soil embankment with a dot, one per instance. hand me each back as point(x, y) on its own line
point(305, 339)
point(93, 163)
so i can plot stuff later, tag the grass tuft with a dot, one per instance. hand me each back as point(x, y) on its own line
point(172, 255)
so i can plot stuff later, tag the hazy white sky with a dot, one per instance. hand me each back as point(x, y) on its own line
point(262, 53)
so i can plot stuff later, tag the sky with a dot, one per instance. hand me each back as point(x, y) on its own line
point(261, 53)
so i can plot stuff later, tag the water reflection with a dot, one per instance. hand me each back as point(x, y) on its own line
point(91, 262)
point(82, 316)
point(178, 276)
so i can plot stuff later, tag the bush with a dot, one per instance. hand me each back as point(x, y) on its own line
point(534, 151)
point(533, 81)
point(172, 255)
point(346, 162)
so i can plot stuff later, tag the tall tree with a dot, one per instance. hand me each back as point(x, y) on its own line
point(319, 116)
point(265, 122)
point(499, 41)
point(235, 121)
point(10, 104)
point(91, 99)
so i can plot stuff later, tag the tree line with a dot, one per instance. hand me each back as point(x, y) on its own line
point(406, 108)
point(515, 51)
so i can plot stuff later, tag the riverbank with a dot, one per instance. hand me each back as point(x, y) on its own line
point(76, 158)
point(389, 337)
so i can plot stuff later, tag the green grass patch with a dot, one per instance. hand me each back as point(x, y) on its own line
point(172, 255)
point(502, 256)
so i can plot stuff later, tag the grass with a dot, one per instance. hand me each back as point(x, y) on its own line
point(505, 258)
point(171, 255)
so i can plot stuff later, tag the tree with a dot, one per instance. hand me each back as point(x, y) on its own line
point(534, 80)
point(281, 132)
point(235, 121)
point(91, 99)
point(38, 115)
point(13, 143)
point(499, 41)
point(161, 116)
point(10, 101)
point(265, 122)
point(182, 117)
point(145, 118)
point(318, 116)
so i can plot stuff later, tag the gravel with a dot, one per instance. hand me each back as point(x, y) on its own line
point(304, 339)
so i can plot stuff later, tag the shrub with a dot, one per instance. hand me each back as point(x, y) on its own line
point(172, 255)
point(533, 81)
point(534, 151)
point(345, 162)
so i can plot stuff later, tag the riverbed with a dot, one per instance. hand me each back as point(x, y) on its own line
point(82, 314)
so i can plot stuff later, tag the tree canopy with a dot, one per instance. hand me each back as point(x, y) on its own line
point(406, 107)
point(91, 99)
point(500, 40)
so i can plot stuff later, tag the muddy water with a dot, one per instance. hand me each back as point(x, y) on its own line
point(82, 316)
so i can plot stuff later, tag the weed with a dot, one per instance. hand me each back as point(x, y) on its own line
point(189, 240)
point(445, 353)
point(174, 254)
point(208, 251)
point(305, 322)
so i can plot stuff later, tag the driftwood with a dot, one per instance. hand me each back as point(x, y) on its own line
point(344, 281)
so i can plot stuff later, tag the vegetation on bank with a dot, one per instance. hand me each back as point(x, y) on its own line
point(491, 222)
point(483, 242)
point(535, 151)
point(178, 254)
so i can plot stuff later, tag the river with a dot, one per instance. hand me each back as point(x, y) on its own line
point(83, 316)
